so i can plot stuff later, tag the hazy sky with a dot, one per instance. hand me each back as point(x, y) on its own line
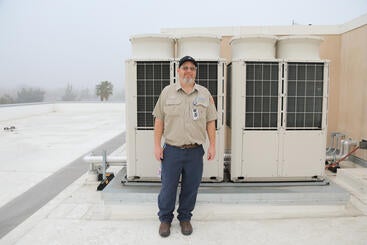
point(49, 43)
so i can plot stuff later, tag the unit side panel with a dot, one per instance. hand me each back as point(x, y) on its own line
point(304, 153)
point(237, 118)
point(130, 81)
point(213, 170)
point(260, 154)
point(147, 167)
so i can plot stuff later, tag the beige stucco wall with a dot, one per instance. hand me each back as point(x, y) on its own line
point(352, 105)
point(330, 50)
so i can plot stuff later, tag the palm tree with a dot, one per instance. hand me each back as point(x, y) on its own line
point(104, 90)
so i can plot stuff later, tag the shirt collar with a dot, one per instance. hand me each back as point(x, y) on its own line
point(178, 87)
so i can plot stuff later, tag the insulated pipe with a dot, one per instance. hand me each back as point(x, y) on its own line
point(342, 159)
point(111, 160)
point(334, 152)
point(332, 145)
point(227, 156)
point(104, 164)
point(346, 146)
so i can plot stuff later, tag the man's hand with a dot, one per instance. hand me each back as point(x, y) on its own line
point(158, 153)
point(211, 152)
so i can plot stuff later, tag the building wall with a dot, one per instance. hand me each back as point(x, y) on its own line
point(330, 50)
point(352, 106)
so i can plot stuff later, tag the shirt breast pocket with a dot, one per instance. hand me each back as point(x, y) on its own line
point(172, 107)
point(202, 108)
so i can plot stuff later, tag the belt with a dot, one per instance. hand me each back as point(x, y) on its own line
point(188, 146)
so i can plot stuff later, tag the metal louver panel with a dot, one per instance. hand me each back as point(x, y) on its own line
point(305, 95)
point(229, 96)
point(261, 96)
point(152, 77)
point(207, 76)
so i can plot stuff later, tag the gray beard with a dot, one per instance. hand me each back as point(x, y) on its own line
point(188, 80)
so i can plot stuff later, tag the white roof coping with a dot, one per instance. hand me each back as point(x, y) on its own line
point(273, 30)
point(301, 37)
point(187, 35)
point(253, 36)
point(151, 35)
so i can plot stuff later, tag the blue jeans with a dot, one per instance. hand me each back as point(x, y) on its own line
point(187, 163)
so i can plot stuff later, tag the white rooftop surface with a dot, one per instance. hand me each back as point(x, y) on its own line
point(48, 137)
point(78, 215)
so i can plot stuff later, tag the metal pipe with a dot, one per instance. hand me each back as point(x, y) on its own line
point(104, 164)
point(227, 156)
point(346, 146)
point(342, 159)
point(109, 159)
point(334, 152)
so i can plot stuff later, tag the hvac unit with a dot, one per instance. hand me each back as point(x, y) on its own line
point(305, 106)
point(277, 117)
point(210, 74)
point(147, 73)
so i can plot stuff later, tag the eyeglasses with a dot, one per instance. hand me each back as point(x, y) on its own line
point(191, 68)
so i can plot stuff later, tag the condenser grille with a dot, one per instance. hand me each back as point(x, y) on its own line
point(152, 77)
point(305, 95)
point(261, 95)
point(207, 76)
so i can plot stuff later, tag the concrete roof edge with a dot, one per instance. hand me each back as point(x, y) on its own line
point(355, 23)
point(272, 30)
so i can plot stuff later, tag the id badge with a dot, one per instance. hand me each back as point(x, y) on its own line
point(195, 114)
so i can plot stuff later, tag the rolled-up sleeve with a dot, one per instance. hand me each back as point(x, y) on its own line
point(212, 112)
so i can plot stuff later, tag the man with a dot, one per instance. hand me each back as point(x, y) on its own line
point(184, 114)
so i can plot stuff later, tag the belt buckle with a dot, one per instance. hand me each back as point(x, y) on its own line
point(188, 146)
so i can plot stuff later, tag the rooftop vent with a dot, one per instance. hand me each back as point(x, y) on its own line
point(299, 47)
point(152, 46)
point(253, 47)
point(205, 47)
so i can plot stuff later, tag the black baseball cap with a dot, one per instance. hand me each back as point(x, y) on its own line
point(187, 58)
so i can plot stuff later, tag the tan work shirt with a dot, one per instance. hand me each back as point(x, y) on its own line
point(185, 115)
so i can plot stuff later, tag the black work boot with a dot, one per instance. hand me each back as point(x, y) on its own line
point(186, 227)
point(164, 229)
